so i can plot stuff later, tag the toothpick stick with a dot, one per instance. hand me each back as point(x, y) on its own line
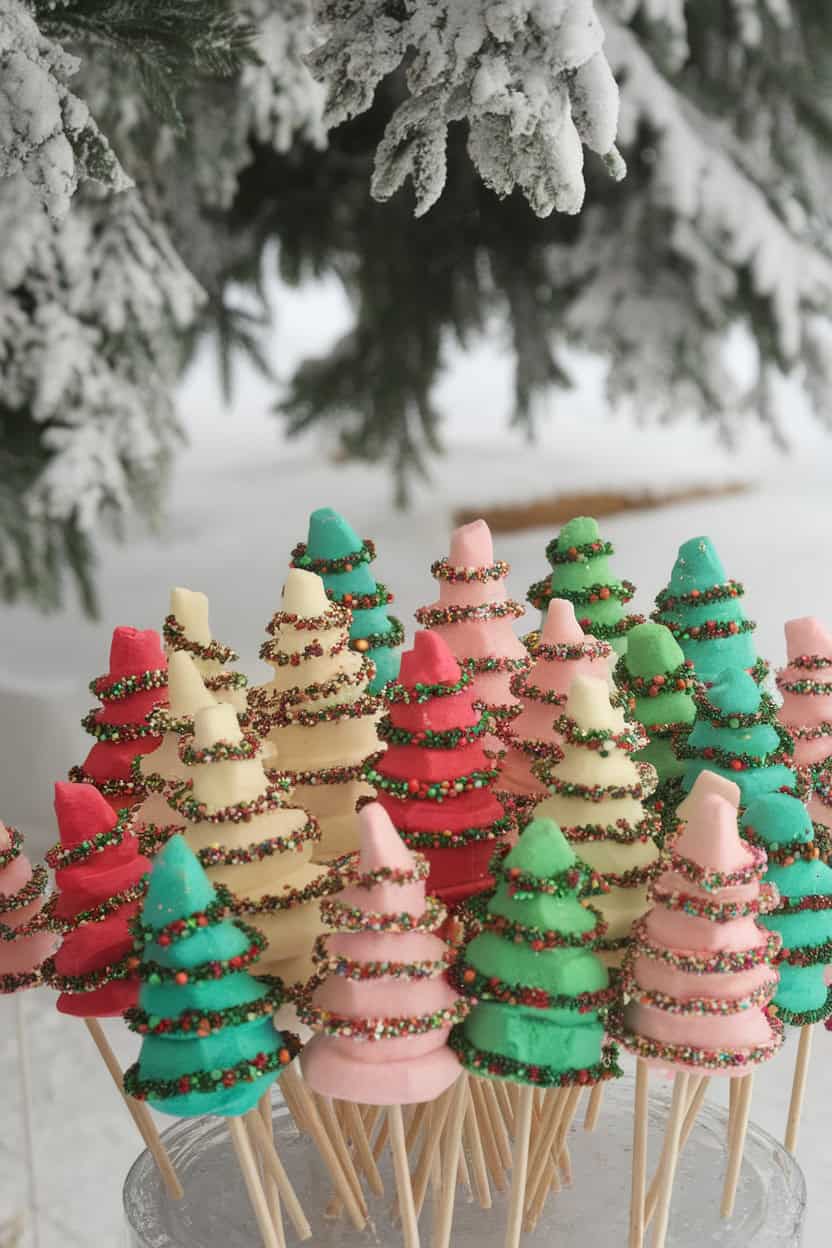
point(478, 1166)
point(363, 1152)
point(801, 1071)
point(444, 1220)
point(407, 1208)
point(248, 1169)
point(275, 1168)
point(27, 1116)
point(729, 1191)
point(519, 1167)
point(593, 1108)
point(670, 1153)
point(138, 1112)
point(639, 1157)
point(264, 1108)
point(697, 1090)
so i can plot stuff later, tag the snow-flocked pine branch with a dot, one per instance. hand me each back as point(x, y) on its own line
point(529, 78)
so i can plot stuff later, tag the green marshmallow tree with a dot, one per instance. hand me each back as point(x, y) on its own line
point(209, 1045)
point(582, 575)
point(658, 683)
point(702, 607)
point(532, 969)
point(798, 856)
point(736, 735)
point(335, 552)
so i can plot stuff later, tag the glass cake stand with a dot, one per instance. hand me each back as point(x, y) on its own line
point(215, 1213)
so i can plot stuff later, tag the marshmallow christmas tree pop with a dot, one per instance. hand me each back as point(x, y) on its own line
point(559, 653)
point(334, 551)
point(187, 630)
point(702, 609)
point(209, 1044)
point(698, 979)
point(136, 682)
point(581, 574)
point(736, 736)
point(798, 867)
point(317, 710)
point(596, 796)
point(435, 781)
point(658, 683)
point(152, 820)
point(806, 714)
point(537, 986)
point(383, 1005)
point(100, 878)
point(24, 943)
point(250, 839)
point(475, 618)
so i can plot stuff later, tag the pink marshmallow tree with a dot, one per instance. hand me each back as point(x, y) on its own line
point(559, 653)
point(24, 942)
point(806, 687)
point(700, 974)
point(474, 616)
point(382, 1003)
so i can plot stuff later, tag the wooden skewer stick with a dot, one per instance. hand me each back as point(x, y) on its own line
point(670, 1154)
point(801, 1071)
point(407, 1208)
point(363, 1152)
point(139, 1112)
point(506, 1106)
point(277, 1173)
point(27, 1116)
point(417, 1123)
point(593, 1107)
point(549, 1161)
point(489, 1146)
point(733, 1087)
point(245, 1158)
point(347, 1184)
point(639, 1157)
point(519, 1167)
point(547, 1132)
point(729, 1191)
point(346, 1181)
point(264, 1108)
point(445, 1216)
point(498, 1126)
point(430, 1147)
point(474, 1142)
point(700, 1087)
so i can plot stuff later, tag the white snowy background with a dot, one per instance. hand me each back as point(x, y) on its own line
point(239, 501)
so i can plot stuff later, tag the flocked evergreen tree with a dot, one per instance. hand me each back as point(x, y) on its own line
point(719, 104)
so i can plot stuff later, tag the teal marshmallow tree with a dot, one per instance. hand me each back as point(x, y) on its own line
point(702, 607)
point(582, 575)
point(798, 855)
point(209, 1044)
point(736, 735)
point(658, 683)
point(336, 553)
